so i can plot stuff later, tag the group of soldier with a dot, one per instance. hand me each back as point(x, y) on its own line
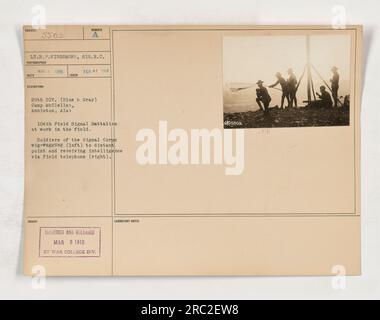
point(289, 88)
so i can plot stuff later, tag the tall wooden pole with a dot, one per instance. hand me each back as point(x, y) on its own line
point(308, 66)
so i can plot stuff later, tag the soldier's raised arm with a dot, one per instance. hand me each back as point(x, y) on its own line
point(273, 85)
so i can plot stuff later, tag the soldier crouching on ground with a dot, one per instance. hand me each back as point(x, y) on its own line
point(284, 87)
point(325, 98)
point(263, 97)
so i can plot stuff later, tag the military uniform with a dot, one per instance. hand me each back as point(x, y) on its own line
point(326, 101)
point(335, 87)
point(292, 89)
point(263, 98)
point(284, 88)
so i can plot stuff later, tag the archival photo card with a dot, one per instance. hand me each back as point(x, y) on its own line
point(131, 170)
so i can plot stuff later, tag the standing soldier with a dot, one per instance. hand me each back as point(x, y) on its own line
point(263, 97)
point(335, 85)
point(284, 87)
point(292, 88)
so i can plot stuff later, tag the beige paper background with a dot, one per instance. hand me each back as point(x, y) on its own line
point(303, 213)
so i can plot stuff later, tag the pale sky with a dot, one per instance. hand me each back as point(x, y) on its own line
point(252, 58)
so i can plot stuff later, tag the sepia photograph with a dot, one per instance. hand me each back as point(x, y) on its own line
point(286, 81)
